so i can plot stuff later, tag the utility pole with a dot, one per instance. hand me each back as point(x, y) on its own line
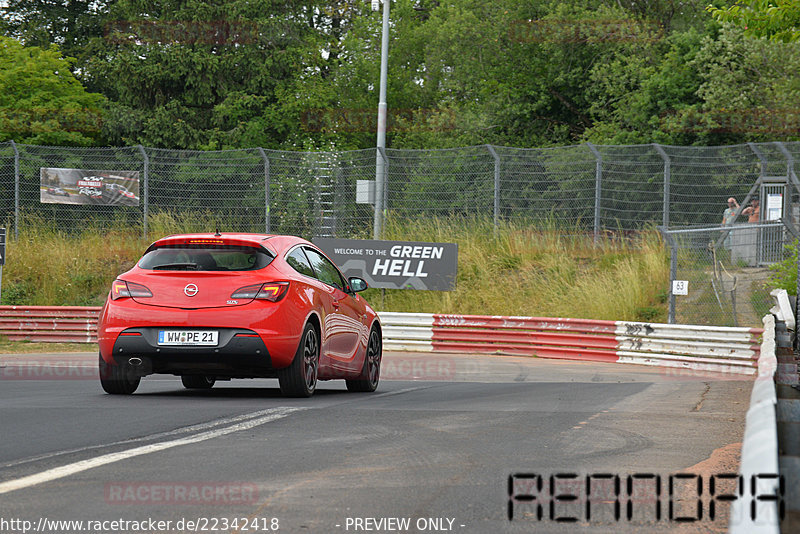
point(380, 169)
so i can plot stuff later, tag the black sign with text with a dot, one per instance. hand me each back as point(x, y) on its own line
point(395, 264)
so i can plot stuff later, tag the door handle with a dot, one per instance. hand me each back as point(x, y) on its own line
point(336, 304)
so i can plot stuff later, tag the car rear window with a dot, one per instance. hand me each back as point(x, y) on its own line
point(205, 258)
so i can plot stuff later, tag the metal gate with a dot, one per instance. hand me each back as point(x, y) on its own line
point(716, 277)
point(771, 239)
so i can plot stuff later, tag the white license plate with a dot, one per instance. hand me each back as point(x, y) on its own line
point(188, 337)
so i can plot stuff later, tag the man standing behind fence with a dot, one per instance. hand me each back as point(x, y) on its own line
point(728, 218)
point(753, 211)
point(729, 215)
point(746, 240)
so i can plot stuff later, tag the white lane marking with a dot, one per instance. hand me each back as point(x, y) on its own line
point(159, 435)
point(398, 392)
point(84, 465)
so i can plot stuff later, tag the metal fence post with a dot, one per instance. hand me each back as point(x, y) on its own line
point(791, 177)
point(789, 162)
point(598, 188)
point(337, 200)
point(385, 205)
point(496, 185)
point(761, 159)
point(667, 175)
point(266, 189)
point(673, 270)
point(16, 190)
point(145, 197)
point(380, 186)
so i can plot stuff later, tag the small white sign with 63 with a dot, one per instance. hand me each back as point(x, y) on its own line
point(680, 287)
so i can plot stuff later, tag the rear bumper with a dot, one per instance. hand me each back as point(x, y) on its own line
point(240, 353)
point(266, 339)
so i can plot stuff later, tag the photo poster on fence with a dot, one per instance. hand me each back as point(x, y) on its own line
point(395, 264)
point(84, 186)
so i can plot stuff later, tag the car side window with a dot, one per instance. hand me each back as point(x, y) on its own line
point(325, 271)
point(297, 260)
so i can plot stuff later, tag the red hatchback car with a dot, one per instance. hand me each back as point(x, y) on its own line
point(210, 307)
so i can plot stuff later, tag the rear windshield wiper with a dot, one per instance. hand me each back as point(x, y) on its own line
point(176, 267)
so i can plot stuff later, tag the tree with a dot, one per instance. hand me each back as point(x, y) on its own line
point(199, 74)
point(778, 20)
point(41, 102)
point(635, 96)
point(670, 14)
point(749, 89)
point(41, 23)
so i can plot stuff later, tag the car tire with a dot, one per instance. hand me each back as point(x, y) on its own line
point(367, 382)
point(299, 379)
point(198, 381)
point(118, 379)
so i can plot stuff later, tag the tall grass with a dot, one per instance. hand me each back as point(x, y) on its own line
point(545, 271)
point(513, 270)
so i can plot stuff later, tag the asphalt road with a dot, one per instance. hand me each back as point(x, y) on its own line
point(434, 446)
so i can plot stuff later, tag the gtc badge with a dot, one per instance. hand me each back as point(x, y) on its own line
point(190, 290)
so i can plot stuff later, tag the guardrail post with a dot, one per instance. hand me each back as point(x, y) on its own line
point(266, 189)
point(667, 175)
point(598, 185)
point(16, 189)
point(496, 185)
point(145, 196)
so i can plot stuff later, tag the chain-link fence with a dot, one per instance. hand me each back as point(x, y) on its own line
point(575, 189)
point(582, 188)
point(720, 275)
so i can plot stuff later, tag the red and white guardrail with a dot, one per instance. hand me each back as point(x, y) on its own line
point(700, 348)
point(60, 324)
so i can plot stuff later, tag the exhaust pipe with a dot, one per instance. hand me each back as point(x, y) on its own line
point(140, 366)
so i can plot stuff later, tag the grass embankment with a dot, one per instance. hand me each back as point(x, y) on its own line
point(516, 270)
point(551, 272)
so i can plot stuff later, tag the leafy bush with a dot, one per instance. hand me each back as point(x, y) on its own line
point(784, 274)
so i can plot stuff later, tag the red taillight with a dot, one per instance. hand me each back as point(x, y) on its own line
point(122, 289)
point(273, 291)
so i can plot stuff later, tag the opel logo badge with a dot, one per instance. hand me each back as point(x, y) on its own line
point(190, 290)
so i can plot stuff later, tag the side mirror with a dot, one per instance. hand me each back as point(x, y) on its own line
point(357, 284)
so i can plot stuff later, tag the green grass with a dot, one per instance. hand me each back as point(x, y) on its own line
point(550, 271)
point(515, 270)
